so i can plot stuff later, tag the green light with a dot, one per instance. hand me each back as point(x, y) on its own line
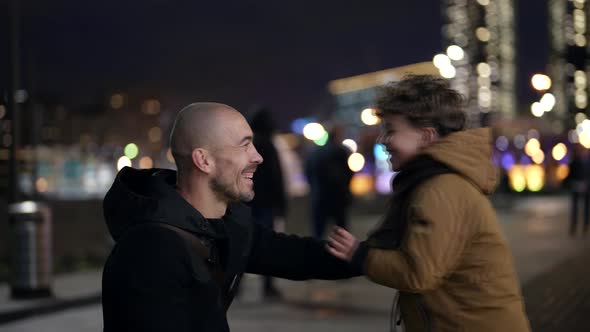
point(322, 140)
point(131, 150)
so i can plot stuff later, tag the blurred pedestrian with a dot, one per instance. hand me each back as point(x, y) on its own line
point(329, 178)
point(184, 239)
point(440, 243)
point(578, 181)
point(269, 205)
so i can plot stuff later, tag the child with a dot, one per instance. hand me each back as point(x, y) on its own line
point(439, 244)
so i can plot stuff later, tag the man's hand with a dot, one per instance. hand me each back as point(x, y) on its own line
point(342, 244)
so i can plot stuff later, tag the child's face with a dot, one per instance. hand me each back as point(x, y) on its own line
point(402, 140)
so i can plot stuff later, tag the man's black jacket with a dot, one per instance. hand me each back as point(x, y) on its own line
point(154, 280)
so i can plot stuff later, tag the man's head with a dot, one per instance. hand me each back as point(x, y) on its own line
point(214, 141)
point(416, 111)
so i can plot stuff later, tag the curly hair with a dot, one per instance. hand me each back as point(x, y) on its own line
point(425, 101)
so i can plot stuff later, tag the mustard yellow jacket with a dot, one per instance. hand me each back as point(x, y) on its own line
point(454, 270)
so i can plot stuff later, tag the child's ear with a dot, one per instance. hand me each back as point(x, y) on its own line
point(429, 135)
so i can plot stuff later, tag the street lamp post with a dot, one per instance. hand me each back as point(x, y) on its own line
point(15, 85)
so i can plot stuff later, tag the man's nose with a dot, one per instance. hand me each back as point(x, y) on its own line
point(257, 158)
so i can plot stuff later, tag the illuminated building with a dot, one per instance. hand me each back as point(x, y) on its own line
point(75, 154)
point(569, 60)
point(485, 74)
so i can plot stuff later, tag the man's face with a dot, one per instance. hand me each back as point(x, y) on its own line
point(236, 160)
point(402, 140)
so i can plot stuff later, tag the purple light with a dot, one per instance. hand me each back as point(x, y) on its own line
point(507, 160)
point(565, 160)
point(368, 168)
point(525, 160)
point(383, 182)
point(298, 124)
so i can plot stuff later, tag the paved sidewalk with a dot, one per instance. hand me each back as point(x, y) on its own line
point(69, 291)
point(559, 300)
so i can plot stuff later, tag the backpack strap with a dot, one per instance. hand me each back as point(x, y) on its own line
point(204, 250)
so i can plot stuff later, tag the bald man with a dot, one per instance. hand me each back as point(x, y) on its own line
point(184, 239)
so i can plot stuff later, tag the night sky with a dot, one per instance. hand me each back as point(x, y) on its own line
point(278, 53)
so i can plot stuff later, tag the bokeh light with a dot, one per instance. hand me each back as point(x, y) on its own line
point(517, 178)
point(562, 171)
point(448, 71)
point(322, 140)
point(537, 109)
point(298, 124)
point(350, 144)
point(584, 139)
point(313, 131)
point(533, 133)
point(383, 182)
point(541, 82)
point(519, 141)
point(484, 69)
point(441, 61)
point(559, 151)
point(379, 152)
point(369, 117)
point(146, 162)
point(532, 146)
point(356, 162)
point(117, 101)
point(122, 162)
point(482, 34)
point(502, 143)
point(548, 102)
point(41, 185)
point(507, 160)
point(131, 150)
point(572, 136)
point(361, 184)
point(151, 107)
point(535, 177)
point(169, 155)
point(538, 157)
point(455, 52)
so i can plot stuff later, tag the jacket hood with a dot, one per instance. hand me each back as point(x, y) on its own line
point(469, 153)
point(142, 196)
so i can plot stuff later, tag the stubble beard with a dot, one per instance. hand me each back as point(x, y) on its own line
point(226, 193)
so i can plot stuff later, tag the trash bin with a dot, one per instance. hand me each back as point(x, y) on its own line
point(31, 250)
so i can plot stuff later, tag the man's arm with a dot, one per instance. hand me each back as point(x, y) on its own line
point(293, 257)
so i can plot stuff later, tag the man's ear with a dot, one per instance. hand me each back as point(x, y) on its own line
point(429, 135)
point(202, 160)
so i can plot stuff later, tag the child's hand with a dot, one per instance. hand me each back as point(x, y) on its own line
point(342, 244)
